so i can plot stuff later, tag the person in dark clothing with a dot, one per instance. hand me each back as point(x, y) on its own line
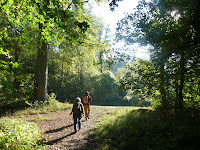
point(77, 111)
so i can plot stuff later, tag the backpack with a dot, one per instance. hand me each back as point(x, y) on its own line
point(85, 99)
point(77, 108)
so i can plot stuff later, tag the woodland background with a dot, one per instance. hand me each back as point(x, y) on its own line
point(52, 51)
point(60, 47)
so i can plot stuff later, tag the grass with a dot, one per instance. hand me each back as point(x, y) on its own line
point(143, 129)
point(125, 128)
point(52, 105)
point(19, 135)
point(24, 135)
point(43, 109)
point(40, 118)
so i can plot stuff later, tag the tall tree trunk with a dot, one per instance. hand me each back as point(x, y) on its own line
point(101, 61)
point(162, 85)
point(41, 75)
point(16, 82)
point(196, 20)
point(182, 80)
point(177, 93)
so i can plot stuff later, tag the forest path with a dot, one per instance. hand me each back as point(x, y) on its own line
point(59, 131)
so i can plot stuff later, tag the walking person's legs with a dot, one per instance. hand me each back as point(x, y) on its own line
point(88, 111)
point(85, 111)
point(79, 122)
point(75, 122)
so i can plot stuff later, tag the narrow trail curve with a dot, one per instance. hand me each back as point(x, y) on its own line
point(59, 132)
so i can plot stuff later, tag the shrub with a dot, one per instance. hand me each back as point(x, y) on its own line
point(51, 105)
point(18, 135)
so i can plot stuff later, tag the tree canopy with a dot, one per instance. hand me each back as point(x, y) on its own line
point(170, 27)
point(53, 47)
point(58, 47)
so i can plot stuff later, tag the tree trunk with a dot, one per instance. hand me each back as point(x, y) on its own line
point(162, 85)
point(182, 79)
point(16, 83)
point(177, 93)
point(101, 61)
point(41, 75)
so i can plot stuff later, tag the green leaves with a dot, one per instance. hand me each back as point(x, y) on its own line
point(83, 26)
point(18, 135)
point(14, 65)
point(166, 26)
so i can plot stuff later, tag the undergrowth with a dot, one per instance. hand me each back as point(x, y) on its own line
point(26, 135)
point(51, 105)
point(19, 135)
point(129, 129)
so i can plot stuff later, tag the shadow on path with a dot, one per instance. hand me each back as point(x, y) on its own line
point(59, 129)
point(59, 139)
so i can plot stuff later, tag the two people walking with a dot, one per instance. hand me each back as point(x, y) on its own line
point(81, 106)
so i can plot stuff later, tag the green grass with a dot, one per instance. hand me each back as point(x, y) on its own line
point(26, 135)
point(130, 129)
point(52, 105)
point(19, 135)
point(40, 118)
point(44, 109)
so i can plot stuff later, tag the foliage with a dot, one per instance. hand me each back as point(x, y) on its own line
point(19, 135)
point(52, 105)
point(130, 128)
point(30, 29)
point(137, 81)
point(16, 75)
point(168, 28)
point(73, 64)
point(66, 25)
point(105, 90)
point(35, 25)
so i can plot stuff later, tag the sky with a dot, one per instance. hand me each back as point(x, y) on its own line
point(112, 17)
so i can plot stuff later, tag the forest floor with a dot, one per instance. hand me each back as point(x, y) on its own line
point(58, 131)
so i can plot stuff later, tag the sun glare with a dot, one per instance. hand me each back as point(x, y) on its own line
point(175, 15)
point(111, 18)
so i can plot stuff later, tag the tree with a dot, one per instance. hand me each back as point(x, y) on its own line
point(76, 62)
point(104, 41)
point(166, 26)
point(15, 72)
point(49, 19)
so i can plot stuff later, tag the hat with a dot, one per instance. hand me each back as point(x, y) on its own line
point(78, 99)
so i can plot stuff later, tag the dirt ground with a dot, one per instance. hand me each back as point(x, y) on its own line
point(59, 131)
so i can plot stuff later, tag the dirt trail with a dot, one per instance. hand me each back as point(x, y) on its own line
point(59, 132)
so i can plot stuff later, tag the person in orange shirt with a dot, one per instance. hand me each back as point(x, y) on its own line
point(86, 99)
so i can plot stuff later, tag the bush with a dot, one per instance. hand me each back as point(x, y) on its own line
point(18, 135)
point(40, 107)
